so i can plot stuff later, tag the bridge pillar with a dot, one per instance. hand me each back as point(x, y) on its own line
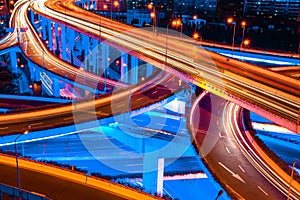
point(149, 69)
point(71, 41)
point(32, 17)
point(63, 43)
point(37, 74)
point(134, 70)
point(105, 62)
point(56, 87)
point(44, 29)
point(85, 44)
point(153, 173)
point(124, 68)
point(56, 51)
point(13, 58)
point(50, 36)
point(31, 70)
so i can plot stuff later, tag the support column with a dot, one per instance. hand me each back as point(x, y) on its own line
point(44, 34)
point(63, 43)
point(153, 171)
point(14, 64)
point(55, 87)
point(105, 62)
point(149, 70)
point(31, 70)
point(85, 44)
point(71, 41)
point(50, 36)
point(56, 36)
point(37, 74)
point(124, 68)
point(134, 70)
point(32, 17)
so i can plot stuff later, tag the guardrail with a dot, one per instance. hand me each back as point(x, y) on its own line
point(14, 193)
point(78, 177)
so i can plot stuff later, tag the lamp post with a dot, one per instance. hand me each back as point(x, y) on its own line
point(246, 42)
point(116, 4)
point(230, 21)
point(195, 18)
point(173, 23)
point(82, 69)
point(17, 163)
point(151, 7)
point(111, 5)
point(244, 27)
point(291, 178)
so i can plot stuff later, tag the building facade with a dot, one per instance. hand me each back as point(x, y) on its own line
point(272, 9)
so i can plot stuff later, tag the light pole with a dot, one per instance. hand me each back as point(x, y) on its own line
point(291, 178)
point(230, 21)
point(151, 7)
point(195, 18)
point(83, 70)
point(173, 23)
point(111, 5)
point(244, 27)
point(17, 164)
point(116, 4)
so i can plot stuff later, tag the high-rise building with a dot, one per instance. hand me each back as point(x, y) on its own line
point(206, 8)
point(230, 8)
point(203, 8)
point(136, 4)
point(272, 9)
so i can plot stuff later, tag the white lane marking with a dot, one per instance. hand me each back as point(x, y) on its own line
point(139, 98)
point(231, 172)
point(227, 150)
point(154, 92)
point(4, 127)
point(263, 191)
point(241, 168)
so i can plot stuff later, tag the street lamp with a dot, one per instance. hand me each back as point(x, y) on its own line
point(230, 21)
point(151, 7)
point(246, 42)
point(17, 163)
point(111, 5)
point(116, 4)
point(173, 23)
point(291, 178)
point(195, 18)
point(195, 36)
point(244, 27)
point(82, 69)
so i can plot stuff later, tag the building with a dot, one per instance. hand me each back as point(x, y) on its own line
point(108, 5)
point(202, 8)
point(272, 9)
point(230, 8)
point(136, 4)
point(142, 18)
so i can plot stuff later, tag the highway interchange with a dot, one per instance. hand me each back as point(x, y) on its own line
point(286, 91)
